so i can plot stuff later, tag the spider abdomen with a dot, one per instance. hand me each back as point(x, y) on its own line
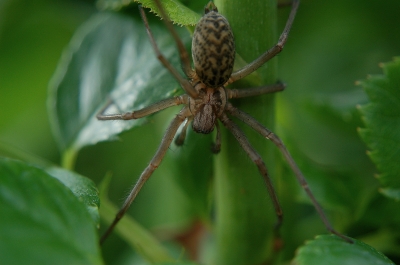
point(213, 49)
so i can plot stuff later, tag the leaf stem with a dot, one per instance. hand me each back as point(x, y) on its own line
point(69, 158)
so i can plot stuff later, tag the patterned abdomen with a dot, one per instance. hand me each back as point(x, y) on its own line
point(213, 49)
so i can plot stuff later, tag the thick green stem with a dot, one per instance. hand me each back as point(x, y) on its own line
point(245, 215)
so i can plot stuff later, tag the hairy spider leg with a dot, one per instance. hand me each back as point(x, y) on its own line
point(258, 127)
point(148, 171)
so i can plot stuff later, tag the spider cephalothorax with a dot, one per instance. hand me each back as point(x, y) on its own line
point(205, 109)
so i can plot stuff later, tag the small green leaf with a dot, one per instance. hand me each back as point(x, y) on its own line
point(332, 250)
point(382, 120)
point(42, 222)
point(176, 11)
point(109, 57)
point(83, 188)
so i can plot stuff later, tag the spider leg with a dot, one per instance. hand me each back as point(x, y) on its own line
point(163, 104)
point(183, 54)
point(180, 139)
point(258, 127)
point(265, 57)
point(148, 171)
point(249, 92)
point(182, 81)
point(256, 158)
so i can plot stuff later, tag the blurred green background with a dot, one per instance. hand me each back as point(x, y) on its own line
point(332, 44)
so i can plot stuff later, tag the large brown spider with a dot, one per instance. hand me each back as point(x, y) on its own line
point(206, 100)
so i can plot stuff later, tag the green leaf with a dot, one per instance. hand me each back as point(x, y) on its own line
point(109, 57)
point(332, 250)
point(176, 11)
point(42, 221)
point(83, 188)
point(382, 120)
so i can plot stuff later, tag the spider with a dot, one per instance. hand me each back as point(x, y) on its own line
point(206, 100)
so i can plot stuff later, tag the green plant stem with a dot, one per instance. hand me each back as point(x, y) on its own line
point(245, 215)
